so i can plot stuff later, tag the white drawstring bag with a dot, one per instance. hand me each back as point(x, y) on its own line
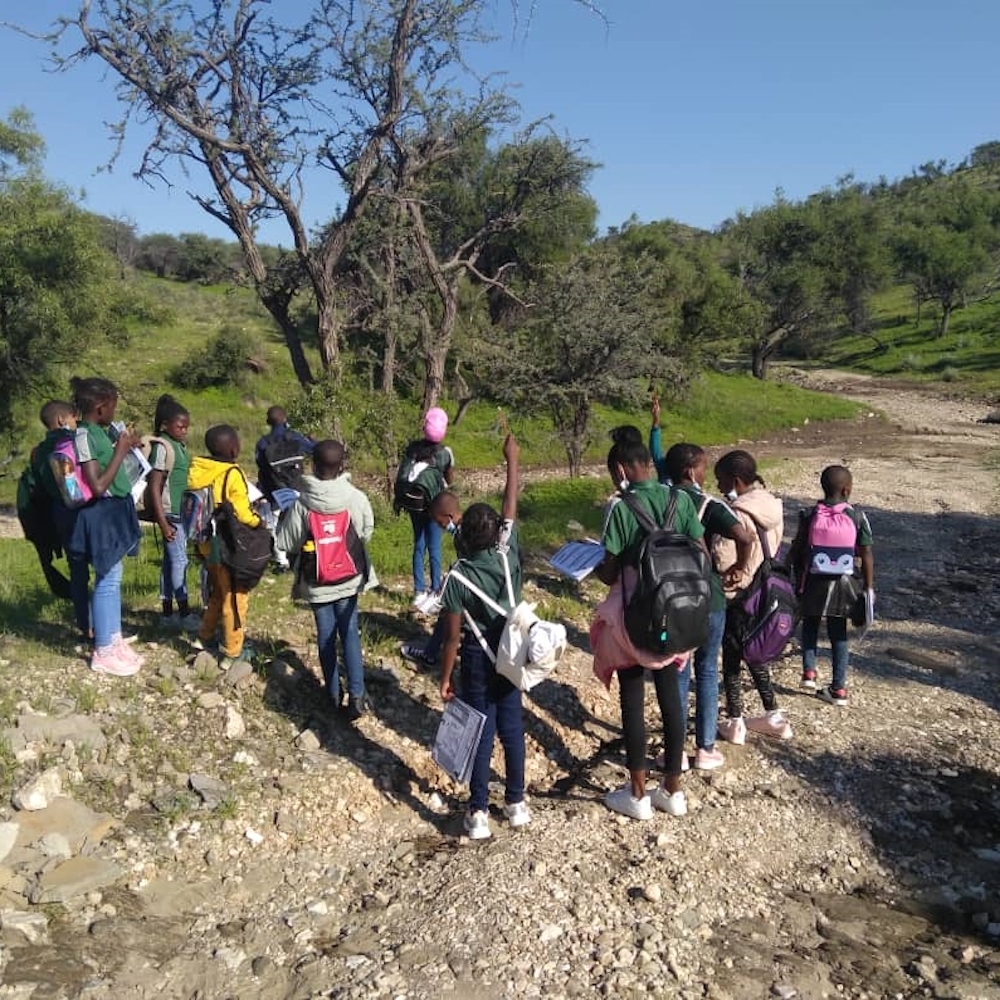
point(530, 648)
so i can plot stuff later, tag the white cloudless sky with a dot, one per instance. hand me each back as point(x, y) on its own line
point(694, 110)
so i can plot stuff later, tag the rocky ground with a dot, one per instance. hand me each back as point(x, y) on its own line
point(191, 834)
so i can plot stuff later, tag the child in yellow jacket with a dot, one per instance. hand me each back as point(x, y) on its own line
point(227, 604)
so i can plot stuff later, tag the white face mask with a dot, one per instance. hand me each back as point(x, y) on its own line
point(451, 527)
point(732, 495)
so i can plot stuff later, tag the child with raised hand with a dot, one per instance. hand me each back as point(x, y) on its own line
point(169, 460)
point(829, 590)
point(737, 477)
point(488, 538)
point(104, 531)
point(631, 469)
point(686, 466)
point(227, 603)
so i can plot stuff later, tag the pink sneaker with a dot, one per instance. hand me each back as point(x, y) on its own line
point(125, 652)
point(708, 760)
point(733, 731)
point(107, 661)
point(772, 724)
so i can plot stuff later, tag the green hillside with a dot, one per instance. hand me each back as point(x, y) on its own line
point(720, 408)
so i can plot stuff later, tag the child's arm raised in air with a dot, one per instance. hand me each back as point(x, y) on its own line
point(511, 452)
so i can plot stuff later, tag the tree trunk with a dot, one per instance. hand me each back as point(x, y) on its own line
point(277, 306)
point(760, 358)
point(946, 310)
point(327, 329)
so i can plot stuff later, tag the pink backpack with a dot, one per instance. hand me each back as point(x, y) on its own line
point(74, 490)
point(833, 537)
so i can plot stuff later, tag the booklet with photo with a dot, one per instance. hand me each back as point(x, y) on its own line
point(577, 559)
point(136, 466)
point(457, 739)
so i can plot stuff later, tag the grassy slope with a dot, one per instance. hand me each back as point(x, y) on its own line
point(967, 358)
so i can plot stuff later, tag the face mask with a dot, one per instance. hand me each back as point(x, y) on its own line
point(732, 495)
point(451, 527)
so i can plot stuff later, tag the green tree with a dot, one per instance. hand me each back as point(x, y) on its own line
point(948, 242)
point(591, 338)
point(57, 283)
point(771, 253)
point(260, 101)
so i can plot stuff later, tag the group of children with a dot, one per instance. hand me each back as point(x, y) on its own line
point(101, 531)
point(80, 500)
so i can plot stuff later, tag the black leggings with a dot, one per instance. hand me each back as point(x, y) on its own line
point(732, 660)
point(632, 688)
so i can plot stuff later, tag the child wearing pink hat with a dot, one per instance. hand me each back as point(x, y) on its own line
point(427, 468)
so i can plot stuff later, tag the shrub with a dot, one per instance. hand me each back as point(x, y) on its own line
point(227, 359)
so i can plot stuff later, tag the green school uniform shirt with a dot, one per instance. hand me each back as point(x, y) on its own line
point(177, 480)
point(94, 444)
point(485, 570)
point(622, 532)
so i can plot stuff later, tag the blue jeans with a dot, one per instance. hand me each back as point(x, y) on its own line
point(107, 604)
point(836, 630)
point(706, 690)
point(426, 539)
point(173, 571)
point(481, 687)
point(340, 618)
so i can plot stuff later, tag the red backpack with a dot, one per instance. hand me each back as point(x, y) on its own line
point(339, 550)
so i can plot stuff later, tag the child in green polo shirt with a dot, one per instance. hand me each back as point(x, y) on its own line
point(632, 470)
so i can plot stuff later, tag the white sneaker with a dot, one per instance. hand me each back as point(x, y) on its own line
point(517, 813)
point(622, 801)
point(107, 661)
point(673, 803)
point(477, 825)
point(772, 724)
point(733, 731)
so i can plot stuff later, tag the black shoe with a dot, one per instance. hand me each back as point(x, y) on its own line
point(356, 707)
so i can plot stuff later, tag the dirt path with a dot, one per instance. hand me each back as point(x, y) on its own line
point(861, 859)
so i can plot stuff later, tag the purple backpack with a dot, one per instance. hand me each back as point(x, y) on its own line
point(770, 607)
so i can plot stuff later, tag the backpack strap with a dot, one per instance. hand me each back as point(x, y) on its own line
point(646, 522)
point(487, 600)
point(765, 548)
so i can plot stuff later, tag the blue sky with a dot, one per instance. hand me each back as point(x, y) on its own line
point(695, 109)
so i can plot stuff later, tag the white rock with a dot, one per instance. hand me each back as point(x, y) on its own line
point(8, 835)
point(235, 726)
point(551, 932)
point(253, 835)
point(39, 792)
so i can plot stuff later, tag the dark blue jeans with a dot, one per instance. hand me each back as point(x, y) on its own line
point(333, 620)
point(836, 630)
point(481, 687)
point(706, 680)
point(426, 540)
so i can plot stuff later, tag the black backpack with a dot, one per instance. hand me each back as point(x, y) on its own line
point(668, 610)
point(282, 466)
point(243, 550)
point(418, 478)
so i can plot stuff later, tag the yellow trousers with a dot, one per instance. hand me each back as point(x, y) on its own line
point(227, 606)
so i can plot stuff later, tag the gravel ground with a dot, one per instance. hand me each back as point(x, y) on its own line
point(859, 859)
